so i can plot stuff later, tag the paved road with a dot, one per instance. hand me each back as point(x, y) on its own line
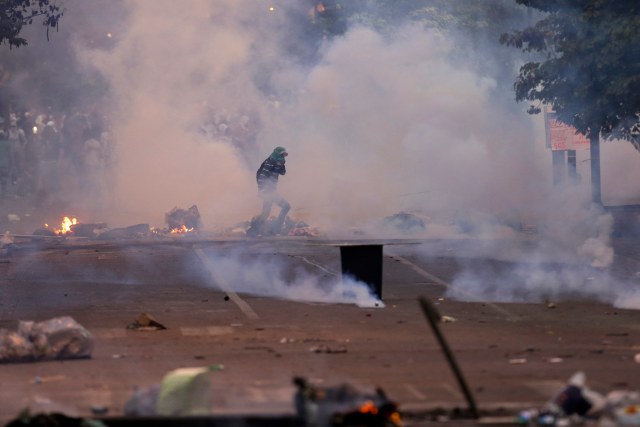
point(267, 310)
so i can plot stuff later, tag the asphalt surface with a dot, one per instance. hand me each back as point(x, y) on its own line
point(264, 310)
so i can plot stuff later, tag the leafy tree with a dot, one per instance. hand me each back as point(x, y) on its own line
point(15, 14)
point(588, 64)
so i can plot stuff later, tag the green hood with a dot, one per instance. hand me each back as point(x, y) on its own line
point(277, 153)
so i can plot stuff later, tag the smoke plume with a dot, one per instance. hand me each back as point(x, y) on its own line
point(374, 124)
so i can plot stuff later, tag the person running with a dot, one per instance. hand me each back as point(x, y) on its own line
point(267, 179)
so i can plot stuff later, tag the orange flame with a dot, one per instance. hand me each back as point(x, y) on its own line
point(181, 230)
point(65, 225)
point(368, 408)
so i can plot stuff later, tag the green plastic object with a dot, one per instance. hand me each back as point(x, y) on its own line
point(186, 391)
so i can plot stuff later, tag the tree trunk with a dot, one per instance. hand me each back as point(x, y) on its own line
point(594, 148)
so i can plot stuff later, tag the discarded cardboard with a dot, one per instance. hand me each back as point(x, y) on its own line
point(145, 322)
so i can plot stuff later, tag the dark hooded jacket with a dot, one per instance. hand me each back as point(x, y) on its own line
point(269, 171)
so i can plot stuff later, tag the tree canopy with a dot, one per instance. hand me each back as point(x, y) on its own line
point(587, 64)
point(15, 14)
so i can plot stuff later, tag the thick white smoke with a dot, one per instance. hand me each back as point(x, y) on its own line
point(376, 119)
point(378, 125)
point(265, 276)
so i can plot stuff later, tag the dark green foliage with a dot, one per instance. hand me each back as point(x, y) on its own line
point(14, 14)
point(589, 63)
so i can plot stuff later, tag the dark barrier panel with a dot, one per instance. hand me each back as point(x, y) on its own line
point(364, 263)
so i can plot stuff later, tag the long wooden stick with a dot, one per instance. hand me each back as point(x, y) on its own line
point(433, 316)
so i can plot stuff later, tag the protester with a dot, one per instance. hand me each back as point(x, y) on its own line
point(267, 178)
point(18, 141)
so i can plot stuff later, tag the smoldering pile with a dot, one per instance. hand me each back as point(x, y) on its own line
point(290, 227)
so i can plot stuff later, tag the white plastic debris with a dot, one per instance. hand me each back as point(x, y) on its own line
point(57, 338)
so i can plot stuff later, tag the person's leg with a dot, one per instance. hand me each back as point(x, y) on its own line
point(266, 210)
point(284, 210)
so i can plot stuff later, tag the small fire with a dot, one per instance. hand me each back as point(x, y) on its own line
point(65, 225)
point(181, 230)
point(368, 408)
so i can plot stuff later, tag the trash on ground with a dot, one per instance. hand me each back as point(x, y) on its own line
point(42, 380)
point(290, 227)
point(144, 322)
point(26, 419)
point(405, 221)
point(327, 350)
point(99, 410)
point(184, 391)
point(343, 405)
point(143, 403)
point(57, 338)
point(577, 404)
point(130, 232)
point(90, 230)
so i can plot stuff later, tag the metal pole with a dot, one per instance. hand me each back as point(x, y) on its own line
point(433, 316)
point(557, 157)
point(572, 163)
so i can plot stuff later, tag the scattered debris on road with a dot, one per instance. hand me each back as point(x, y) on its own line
point(405, 221)
point(26, 419)
point(145, 322)
point(327, 349)
point(184, 391)
point(577, 404)
point(57, 338)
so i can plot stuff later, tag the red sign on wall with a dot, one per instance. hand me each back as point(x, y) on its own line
point(561, 136)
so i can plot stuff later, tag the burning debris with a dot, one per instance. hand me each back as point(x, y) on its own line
point(183, 221)
point(58, 338)
point(343, 405)
point(180, 221)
